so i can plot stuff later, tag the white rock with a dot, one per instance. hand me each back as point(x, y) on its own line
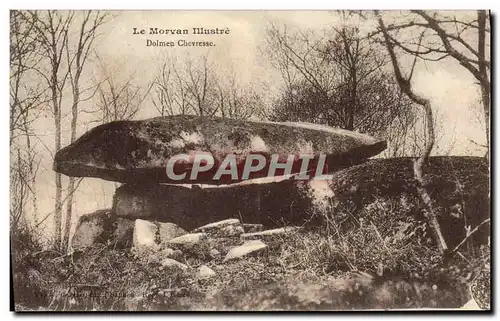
point(90, 228)
point(251, 228)
point(169, 231)
point(169, 253)
point(245, 249)
point(191, 238)
point(214, 253)
point(204, 272)
point(217, 225)
point(471, 305)
point(273, 232)
point(173, 263)
point(232, 230)
point(144, 233)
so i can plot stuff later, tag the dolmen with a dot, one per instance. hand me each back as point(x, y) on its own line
point(192, 171)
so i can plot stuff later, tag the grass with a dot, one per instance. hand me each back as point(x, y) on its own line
point(301, 269)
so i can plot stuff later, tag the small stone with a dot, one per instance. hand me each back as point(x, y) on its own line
point(170, 253)
point(252, 228)
point(173, 263)
point(217, 225)
point(232, 230)
point(269, 233)
point(471, 305)
point(245, 249)
point(123, 235)
point(144, 233)
point(204, 272)
point(169, 231)
point(188, 239)
point(214, 253)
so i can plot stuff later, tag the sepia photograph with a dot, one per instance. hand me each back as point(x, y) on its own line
point(265, 160)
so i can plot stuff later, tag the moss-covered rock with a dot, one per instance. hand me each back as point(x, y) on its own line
point(384, 191)
point(93, 228)
point(132, 151)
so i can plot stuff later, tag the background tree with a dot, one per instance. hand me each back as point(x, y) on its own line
point(340, 80)
point(52, 28)
point(25, 102)
point(406, 87)
point(77, 57)
point(194, 87)
point(434, 42)
point(119, 97)
point(435, 36)
point(59, 63)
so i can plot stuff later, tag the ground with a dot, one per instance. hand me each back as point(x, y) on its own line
point(306, 270)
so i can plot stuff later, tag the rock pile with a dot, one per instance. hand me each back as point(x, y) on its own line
point(224, 241)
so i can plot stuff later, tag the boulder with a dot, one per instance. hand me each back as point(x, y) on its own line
point(170, 253)
point(458, 185)
point(144, 233)
point(153, 202)
point(188, 239)
point(204, 272)
point(245, 249)
point(169, 231)
point(225, 228)
point(215, 254)
point(231, 231)
point(173, 263)
point(218, 225)
point(268, 204)
point(277, 232)
point(132, 151)
point(93, 228)
point(123, 235)
point(252, 228)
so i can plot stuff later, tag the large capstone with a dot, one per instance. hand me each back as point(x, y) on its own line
point(139, 151)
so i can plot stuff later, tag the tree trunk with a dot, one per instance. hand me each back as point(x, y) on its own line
point(484, 82)
point(58, 197)
point(71, 184)
point(405, 86)
point(419, 177)
point(485, 97)
point(69, 213)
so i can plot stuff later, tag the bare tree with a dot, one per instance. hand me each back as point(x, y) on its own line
point(26, 99)
point(235, 99)
point(61, 63)
point(435, 36)
point(170, 94)
point(406, 87)
point(199, 83)
point(340, 80)
point(52, 30)
point(194, 87)
point(118, 95)
point(77, 58)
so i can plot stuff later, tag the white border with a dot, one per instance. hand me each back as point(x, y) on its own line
point(189, 5)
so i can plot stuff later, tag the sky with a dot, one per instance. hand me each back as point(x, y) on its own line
point(449, 86)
